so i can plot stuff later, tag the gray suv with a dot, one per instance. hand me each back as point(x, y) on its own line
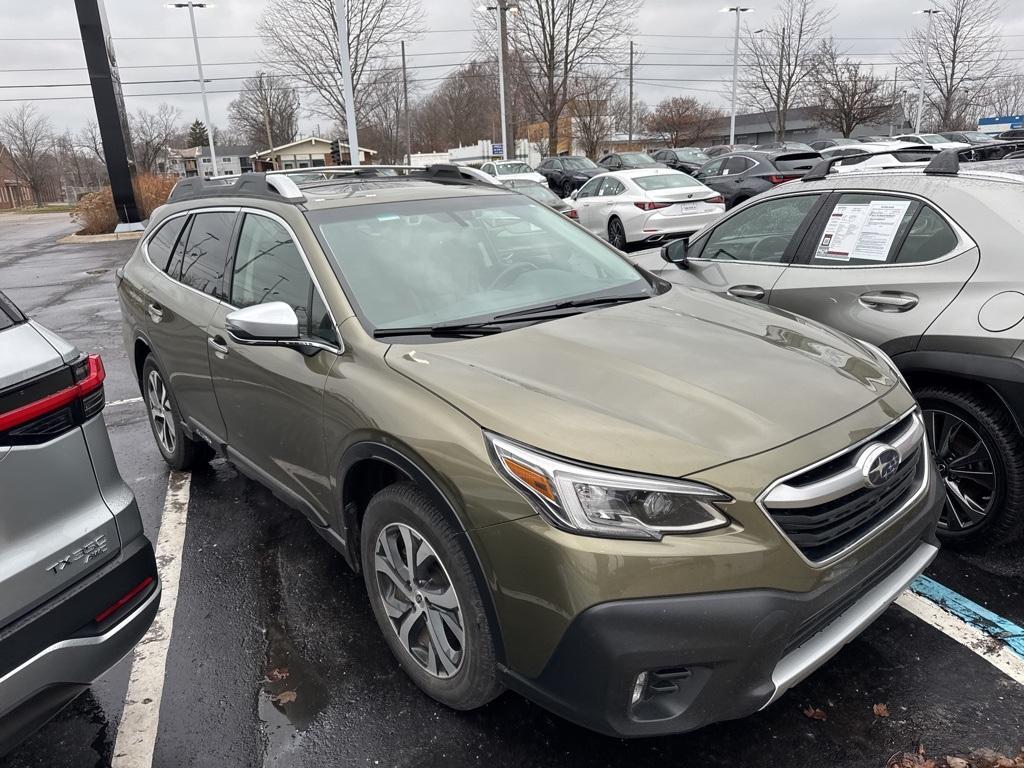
point(923, 262)
point(78, 580)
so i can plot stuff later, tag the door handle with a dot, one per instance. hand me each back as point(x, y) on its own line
point(217, 344)
point(156, 312)
point(755, 292)
point(889, 301)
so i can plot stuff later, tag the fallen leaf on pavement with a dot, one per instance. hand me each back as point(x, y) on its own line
point(957, 762)
point(277, 674)
point(880, 710)
point(285, 697)
point(815, 714)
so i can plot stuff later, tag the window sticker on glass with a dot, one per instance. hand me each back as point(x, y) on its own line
point(858, 231)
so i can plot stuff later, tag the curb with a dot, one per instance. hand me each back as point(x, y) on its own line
point(109, 238)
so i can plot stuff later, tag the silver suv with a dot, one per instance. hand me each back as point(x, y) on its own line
point(923, 262)
point(78, 580)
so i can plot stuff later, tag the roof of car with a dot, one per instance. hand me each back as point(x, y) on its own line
point(325, 196)
point(899, 178)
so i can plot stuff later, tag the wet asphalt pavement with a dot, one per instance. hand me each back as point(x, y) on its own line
point(275, 659)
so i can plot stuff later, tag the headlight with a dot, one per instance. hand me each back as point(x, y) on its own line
point(601, 503)
point(879, 353)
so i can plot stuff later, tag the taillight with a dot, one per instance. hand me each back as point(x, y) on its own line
point(47, 413)
point(649, 206)
point(572, 214)
point(717, 199)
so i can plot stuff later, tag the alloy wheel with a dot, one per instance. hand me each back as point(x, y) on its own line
point(966, 467)
point(420, 600)
point(616, 234)
point(567, 190)
point(160, 411)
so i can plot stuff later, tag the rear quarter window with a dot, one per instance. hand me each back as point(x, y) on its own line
point(9, 314)
point(163, 240)
point(796, 162)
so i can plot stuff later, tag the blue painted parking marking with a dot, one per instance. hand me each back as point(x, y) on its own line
point(979, 617)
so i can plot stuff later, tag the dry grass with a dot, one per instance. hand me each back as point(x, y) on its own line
point(95, 211)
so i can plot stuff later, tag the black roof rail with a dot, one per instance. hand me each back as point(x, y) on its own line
point(824, 168)
point(441, 173)
point(261, 185)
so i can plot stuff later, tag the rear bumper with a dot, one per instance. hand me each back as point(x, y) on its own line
point(714, 657)
point(54, 653)
point(658, 228)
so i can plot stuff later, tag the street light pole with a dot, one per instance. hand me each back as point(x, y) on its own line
point(502, 7)
point(341, 12)
point(924, 65)
point(735, 66)
point(199, 65)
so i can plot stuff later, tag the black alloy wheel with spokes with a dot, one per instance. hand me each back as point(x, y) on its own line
point(616, 233)
point(979, 455)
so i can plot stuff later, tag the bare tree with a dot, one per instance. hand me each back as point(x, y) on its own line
point(591, 108)
point(778, 60)
point(152, 134)
point(28, 137)
point(462, 110)
point(845, 93)
point(80, 167)
point(384, 118)
point(302, 34)
point(965, 59)
point(266, 111)
point(683, 121)
point(1008, 98)
point(89, 139)
point(553, 41)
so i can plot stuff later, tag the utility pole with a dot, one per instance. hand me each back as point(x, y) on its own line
point(735, 67)
point(408, 121)
point(502, 45)
point(630, 94)
point(507, 132)
point(191, 5)
point(892, 111)
point(341, 12)
point(924, 65)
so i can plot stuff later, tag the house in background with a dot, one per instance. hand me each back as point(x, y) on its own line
point(311, 152)
point(16, 193)
point(232, 160)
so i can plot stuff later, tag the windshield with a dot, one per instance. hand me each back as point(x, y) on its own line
point(507, 169)
point(977, 136)
point(934, 138)
point(665, 181)
point(540, 194)
point(637, 158)
point(464, 259)
point(577, 163)
point(692, 155)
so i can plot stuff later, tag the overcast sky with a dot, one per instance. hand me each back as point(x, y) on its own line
point(680, 33)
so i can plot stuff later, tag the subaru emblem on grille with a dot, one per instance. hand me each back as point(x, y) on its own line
point(878, 463)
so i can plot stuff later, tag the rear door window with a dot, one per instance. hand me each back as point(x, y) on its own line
point(612, 187)
point(735, 165)
point(163, 241)
point(868, 229)
point(205, 255)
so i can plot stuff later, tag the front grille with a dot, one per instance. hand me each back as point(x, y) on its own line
point(820, 530)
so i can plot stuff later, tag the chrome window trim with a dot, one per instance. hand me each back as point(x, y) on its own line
point(882, 524)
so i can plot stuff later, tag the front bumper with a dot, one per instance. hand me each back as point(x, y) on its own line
point(714, 657)
point(55, 652)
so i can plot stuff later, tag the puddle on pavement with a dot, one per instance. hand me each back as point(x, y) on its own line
point(292, 693)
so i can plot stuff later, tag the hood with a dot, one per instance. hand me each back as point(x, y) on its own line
point(667, 386)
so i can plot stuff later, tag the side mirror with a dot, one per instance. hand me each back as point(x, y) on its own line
point(675, 251)
point(263, 324)
point(575, 194)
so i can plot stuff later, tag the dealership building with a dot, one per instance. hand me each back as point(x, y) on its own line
point(994, 125)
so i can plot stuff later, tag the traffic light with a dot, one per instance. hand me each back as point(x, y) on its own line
point(335, 152)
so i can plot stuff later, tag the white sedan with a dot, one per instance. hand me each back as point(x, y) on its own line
point(646, 205)
point(932, 140)
point(506, 170)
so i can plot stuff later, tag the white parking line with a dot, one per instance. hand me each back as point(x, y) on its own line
point(136, 735)
point(993, 651)
point(124, 402)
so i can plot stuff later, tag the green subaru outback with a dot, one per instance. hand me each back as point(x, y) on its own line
point(643, 506)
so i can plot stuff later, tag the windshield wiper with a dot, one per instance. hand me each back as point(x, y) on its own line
point(442, 329)
point(572, 304)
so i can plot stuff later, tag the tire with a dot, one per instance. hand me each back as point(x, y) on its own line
point(957, 421)
point(567, 189)
point(462, 675)
point(617, 233)
point(178, 449)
